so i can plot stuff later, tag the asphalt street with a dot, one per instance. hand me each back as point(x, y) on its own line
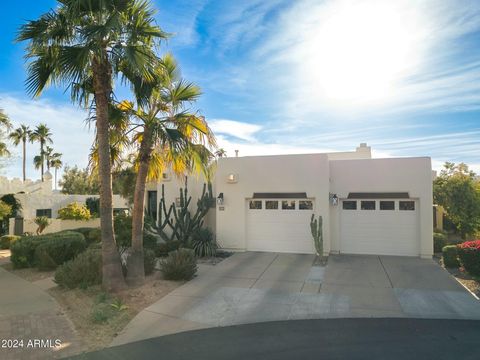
point(371, 338)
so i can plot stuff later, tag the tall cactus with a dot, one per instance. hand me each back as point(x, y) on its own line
point(316, 227)
point(178, 219)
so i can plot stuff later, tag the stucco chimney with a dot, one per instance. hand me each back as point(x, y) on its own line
point(236, 153)
point(365, 150)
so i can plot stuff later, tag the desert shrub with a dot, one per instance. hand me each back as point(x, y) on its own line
point(469, 255)
point(203, 243)
point(149, 241)
point(23, 250)
point(439, 241)
point(149, 261)
point(93, 205)
point(7, 240)
point(55, 251)
point(179, 265)
point(162, 249)
point(74, 211)
point(83, 271)
point(450, 256)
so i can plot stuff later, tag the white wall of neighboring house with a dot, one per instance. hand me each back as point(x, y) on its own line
point(38, 195)
point(33, 202)
point(55, 225)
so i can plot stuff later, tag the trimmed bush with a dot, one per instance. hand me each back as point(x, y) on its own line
point(92, 235)
point(450, 256)
point(83, 271)
point(74, 211)
point(469, 255)
point(203, 243)
point(149, 261)
point(23, 250)
point(179, 265)
point(439, 241)
point(53, 252)
point(7, 240)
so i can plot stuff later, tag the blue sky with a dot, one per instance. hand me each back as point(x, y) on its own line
point(292, 77)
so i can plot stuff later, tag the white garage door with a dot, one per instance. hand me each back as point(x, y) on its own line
point(380, 227)
point(279, 225)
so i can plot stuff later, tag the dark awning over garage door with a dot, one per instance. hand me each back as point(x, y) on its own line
point(378, 195)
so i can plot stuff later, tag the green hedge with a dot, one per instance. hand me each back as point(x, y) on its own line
point(59, 247)
point(450, 256)
point(54, 252)
point(439, 241)
point(92, 235)
point(83, 271)
point(469, 255)
point(7, 240)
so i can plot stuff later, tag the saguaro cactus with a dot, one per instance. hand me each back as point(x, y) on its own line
point(316, 227)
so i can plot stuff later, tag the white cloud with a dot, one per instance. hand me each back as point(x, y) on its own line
point(71, 135)
point(237, 129)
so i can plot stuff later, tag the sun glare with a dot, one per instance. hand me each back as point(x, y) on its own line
point(359, 50)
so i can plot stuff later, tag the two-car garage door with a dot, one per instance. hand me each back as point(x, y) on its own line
point(279, 225)
point(383, 227)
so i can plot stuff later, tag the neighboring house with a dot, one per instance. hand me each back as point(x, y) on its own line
point(38, 199)
point(368, 206)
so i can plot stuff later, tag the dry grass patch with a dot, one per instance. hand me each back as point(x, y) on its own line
point(29, 274)
point(98, 317)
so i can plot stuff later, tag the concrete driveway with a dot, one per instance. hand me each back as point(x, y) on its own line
point(256, 287)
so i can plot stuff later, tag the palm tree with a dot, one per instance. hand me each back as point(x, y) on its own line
point(86, 45)
point(167, 134)
point(21, 135)
point(55, 162)
point(5, 123)
point(221, 153)
point(42, 135)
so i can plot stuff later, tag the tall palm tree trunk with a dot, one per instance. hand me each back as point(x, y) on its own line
point(112, 276)
point(42, 156)
point(136, 270)
point(24, 159)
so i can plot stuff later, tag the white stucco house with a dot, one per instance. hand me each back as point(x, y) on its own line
point(38, 199)
point(368, 206)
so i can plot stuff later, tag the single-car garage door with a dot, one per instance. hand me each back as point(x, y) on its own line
point(380, 227)
point(279, 225)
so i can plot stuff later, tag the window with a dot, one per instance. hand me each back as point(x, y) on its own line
point(255, 204)
point(305, 205)
point(349, 205)
point(387, 205)
point(367, 205)
point(44, 212)
point(288, 205)
point(406, 205)
point(271, 205)
point(152, 204)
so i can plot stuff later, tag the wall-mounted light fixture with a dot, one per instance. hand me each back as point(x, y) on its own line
point(165, 176)
point(220, 199)
point(333, 199)
point(232, 178)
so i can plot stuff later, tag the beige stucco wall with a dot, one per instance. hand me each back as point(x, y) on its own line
point(55, 225)
point(15, 185)
point(286, 173)
point(32, 202)
point(412, 175)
